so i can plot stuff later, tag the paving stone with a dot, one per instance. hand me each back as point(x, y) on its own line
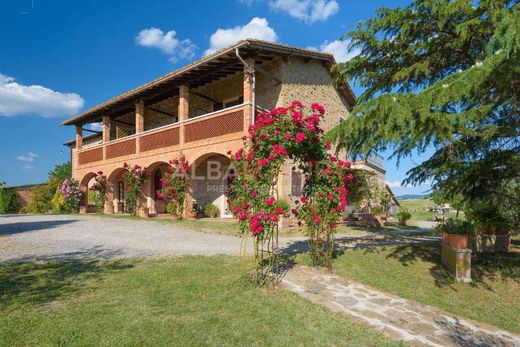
point(400, 319)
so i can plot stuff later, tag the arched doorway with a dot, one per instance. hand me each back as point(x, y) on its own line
point(210, 177)
point(118, 190)
point(153, 187)
point(89, 198)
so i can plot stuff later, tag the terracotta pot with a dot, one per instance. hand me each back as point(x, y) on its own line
point(455, 240)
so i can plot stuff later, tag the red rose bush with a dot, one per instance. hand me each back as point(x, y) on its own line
point(288, 134)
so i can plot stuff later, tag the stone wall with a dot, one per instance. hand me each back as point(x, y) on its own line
point(311, 81)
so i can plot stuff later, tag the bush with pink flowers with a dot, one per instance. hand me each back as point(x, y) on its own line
point(100, 186)
point(174, 186)
point(288, 134)
point(71, 194)
point(133, 178)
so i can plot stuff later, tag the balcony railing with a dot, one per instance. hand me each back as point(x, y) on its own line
point(208, 126)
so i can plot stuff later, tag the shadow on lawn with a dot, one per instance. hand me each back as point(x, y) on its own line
point(485, 267)
point(41, 283)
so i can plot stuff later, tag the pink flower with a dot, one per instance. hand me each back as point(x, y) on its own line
point(297, 117)
point(270, 201)
point(318, 107)
point(279, 210)
point(262, 162)
point(242, 215)
point(279, 150)
point(300, 137)
point(296, 103)
point(238, 154)
point(328, 145)
point(316, 219)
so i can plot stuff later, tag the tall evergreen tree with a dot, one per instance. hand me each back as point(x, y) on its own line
point(442, 74)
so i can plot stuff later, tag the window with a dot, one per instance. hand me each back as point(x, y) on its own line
point(296, 184)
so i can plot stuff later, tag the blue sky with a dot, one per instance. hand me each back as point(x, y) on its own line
point(60, 57)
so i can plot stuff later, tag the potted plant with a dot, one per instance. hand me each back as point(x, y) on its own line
point(456, 233)
point(379, 215)
point(403, 216)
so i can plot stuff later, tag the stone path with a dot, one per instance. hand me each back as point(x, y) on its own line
point(397, 317)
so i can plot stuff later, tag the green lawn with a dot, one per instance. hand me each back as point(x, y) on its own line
point(414, 272)
point(419, 209)
point(181, 301)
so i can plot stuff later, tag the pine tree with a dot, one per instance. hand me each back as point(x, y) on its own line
point(441, 73)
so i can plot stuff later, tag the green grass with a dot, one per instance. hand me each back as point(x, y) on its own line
point(414, 272)
point(419, 210)
point(181, 301)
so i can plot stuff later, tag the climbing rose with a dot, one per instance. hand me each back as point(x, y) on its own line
point(300, 137)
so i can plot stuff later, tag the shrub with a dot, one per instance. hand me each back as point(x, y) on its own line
point(71, 194)
point(57, 203)
point(133, 179)
point(8, 201)
point(283, 205)
point(41, 199)
point(210, 211)
point(403, 215)
point(175, 185)
point(456, 226)
point(377, 210)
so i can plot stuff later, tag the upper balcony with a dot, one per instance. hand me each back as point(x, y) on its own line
point(213, 127)
point(373, 160)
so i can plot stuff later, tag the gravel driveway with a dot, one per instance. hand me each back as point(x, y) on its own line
point(50, 237)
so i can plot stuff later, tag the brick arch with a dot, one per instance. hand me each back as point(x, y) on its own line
point(114, 191)
point(83, 186)
point(208, 181)
point(157, 206)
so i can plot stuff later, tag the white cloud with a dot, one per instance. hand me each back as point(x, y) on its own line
point(394, 184)
point(257, 28)
point(17, 99)
point(96, 126)
point(29, 157)
point(340, 50)
point(309, 11)
point(167, 42)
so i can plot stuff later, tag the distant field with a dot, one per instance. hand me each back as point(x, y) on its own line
point(419, 209)
point(412, 204)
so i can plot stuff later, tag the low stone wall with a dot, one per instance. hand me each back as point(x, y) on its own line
point(490, 243)
point(457, 261)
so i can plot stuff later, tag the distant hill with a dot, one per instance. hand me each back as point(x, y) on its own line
point(413, 196)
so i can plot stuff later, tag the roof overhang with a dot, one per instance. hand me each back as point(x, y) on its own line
point(201, 72)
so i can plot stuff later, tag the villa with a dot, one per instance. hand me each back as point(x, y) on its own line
point(202, 111)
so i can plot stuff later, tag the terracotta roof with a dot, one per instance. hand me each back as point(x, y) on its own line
point(248, 44)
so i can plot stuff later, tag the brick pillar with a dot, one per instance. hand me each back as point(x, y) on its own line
point(106, 134)
point(79, 137)
point(139, 123)
point(184, 108)
point(249, 92)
